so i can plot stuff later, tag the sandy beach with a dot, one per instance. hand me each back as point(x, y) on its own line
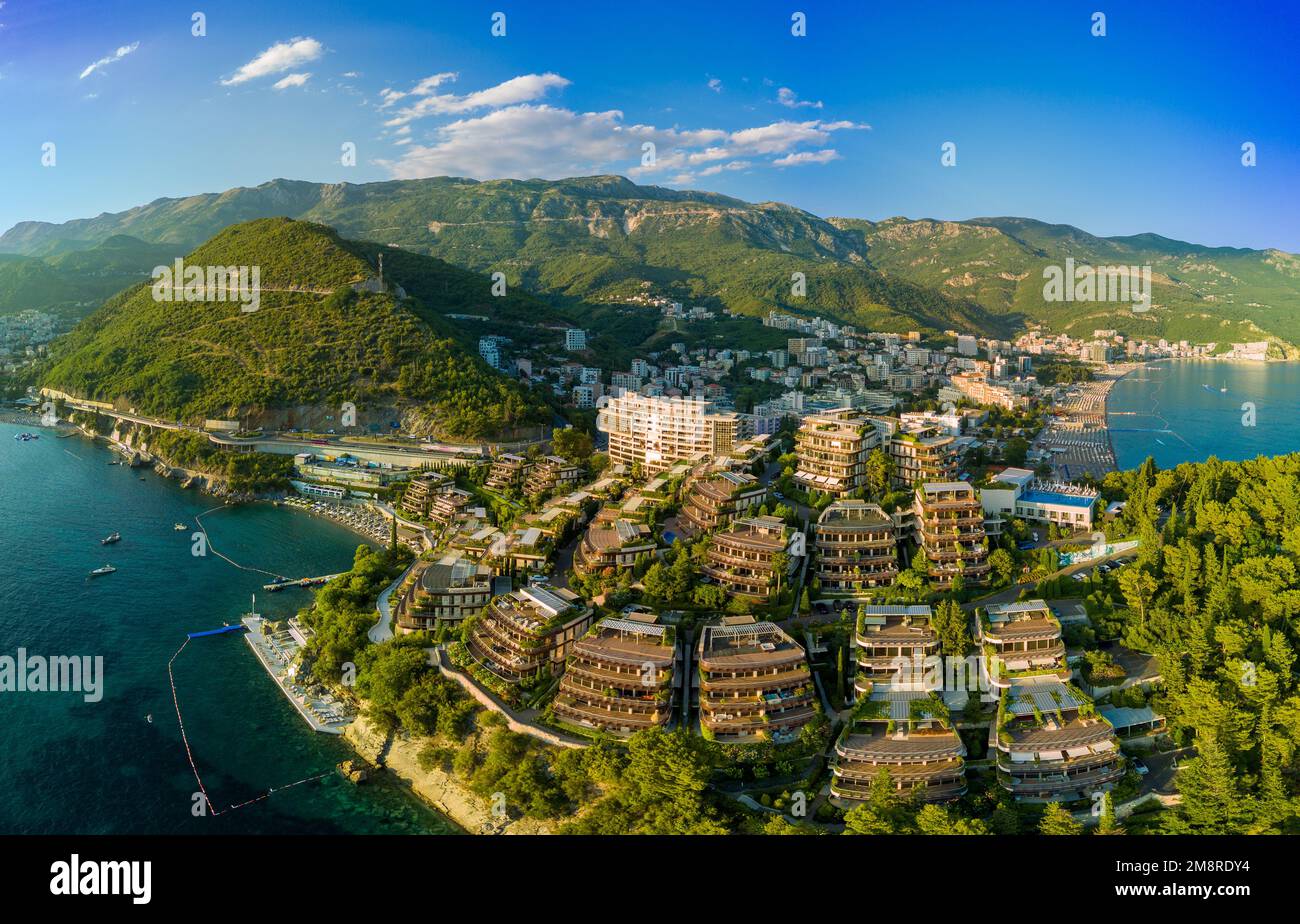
point(1077, 437)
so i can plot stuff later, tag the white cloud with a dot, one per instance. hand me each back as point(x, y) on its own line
point(281, 56)
point(527, 141)
point(824, 156)
point(523, 89)
point(104, 62)
point(715, 84)
point(787, 97)
point(521, 138)
point(292, 80)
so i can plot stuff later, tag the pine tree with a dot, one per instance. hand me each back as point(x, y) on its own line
point(1056, 820)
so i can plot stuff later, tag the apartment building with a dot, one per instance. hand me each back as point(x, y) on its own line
point(551, 473)
point(656, 431)
point(715, 498)
point(893, 643)
point(755, 683)
point(925, 454)
point(1019, 639)
point(950, 530)
point(833, 449)
point(442, 592)
point(527, 634)
point(419, 494)
point(507, 472)
point(1049, 744)
point(621, 676)
point(857, 547)
point(612, 541)
point(910, 735)
point(742, 558)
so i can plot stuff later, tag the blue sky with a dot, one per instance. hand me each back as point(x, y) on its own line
point(1140, 130)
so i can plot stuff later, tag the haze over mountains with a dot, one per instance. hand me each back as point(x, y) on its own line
point(604, 239)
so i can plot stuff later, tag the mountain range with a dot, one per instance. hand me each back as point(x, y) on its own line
point(605, 239)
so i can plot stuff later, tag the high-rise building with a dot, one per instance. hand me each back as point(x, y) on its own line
point(575, 339)
point(655, 431)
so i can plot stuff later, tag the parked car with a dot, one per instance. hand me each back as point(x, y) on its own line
point(1140, 767)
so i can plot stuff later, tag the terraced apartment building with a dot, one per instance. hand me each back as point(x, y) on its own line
point(832, 449)
point(419, 494)
point(441, 592)
point(612, 541)
point(892, 643)
point(527, 634)
point(507, 472)
point(909, 734)
point(1019, 639)
point(1049, 744)
point(744, 557)
point(950, 530)
point(923, 454)
point(754, 682)
point(715, 498)
point(551, 473)
point(856, 546)
point(622, 676)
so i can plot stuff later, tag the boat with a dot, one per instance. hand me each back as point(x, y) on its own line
point(1224, 389)
point(109, 540)
point(179, 527)
point(107, 569)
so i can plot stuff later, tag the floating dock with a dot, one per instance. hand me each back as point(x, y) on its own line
point(222, 631)
point(270, 659)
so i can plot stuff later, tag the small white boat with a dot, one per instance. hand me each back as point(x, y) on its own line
point(110, 540)
point(179, 527)
point(107, 569)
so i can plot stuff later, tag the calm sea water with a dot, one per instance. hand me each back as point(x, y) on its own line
point(68, 766)
point(1176, 412)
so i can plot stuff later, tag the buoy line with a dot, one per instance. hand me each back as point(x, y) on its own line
point(189, 754)
point(198, 518)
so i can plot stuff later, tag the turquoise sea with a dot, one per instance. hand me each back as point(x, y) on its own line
point(1188, 410)
point(69, 766)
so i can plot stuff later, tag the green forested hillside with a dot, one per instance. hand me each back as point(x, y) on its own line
point(1202, 294)
point(314, 340)
point(70, 283)
point(587, 240)
point(1215, 594)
